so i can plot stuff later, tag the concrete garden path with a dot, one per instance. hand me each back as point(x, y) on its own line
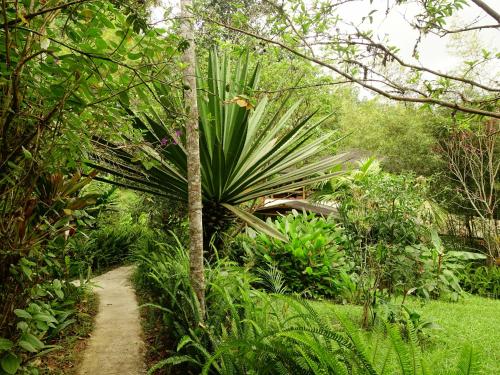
point(116, 346)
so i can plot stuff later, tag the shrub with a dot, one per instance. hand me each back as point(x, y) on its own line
point(376, 206)
point(387, 220)
point(312, 261)
point(390, 228)
point(36, 302)
point(481, 280)
point(103, 248)
point(439, 268)
point(49, 311)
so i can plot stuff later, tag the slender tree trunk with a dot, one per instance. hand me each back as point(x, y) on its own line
point(193, 159)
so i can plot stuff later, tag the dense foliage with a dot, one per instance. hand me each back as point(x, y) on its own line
point(312, 261)
point(284, 97)
point(382, 244)
point(249, 331)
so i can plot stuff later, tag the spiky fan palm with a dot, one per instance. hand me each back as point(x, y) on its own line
point(246, 153)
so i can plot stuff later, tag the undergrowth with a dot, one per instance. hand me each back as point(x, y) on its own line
point(73, 341)
point(248, 331)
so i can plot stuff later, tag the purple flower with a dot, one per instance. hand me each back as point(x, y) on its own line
point(164, 141)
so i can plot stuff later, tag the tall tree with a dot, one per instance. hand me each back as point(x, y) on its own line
point(193, 157)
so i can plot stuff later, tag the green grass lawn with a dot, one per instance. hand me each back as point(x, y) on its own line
point(472, 320)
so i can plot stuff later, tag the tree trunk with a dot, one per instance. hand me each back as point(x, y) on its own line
point(193, 159)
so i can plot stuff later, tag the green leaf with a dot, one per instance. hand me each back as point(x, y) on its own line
point(100, 44)
point(10, 363)
point(22, 314)
point(5, 344)
point(45, 318)
point(22, 326)
point(27, 346)
point(27, 155)
point(466, 255)
point(185, 340)
point(59, 293)
point(31, 342)
point(134, 56)
point(256, 223)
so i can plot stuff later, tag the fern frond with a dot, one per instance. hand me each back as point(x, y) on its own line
point(466, 363)
point(401, 350)
point(172, 361)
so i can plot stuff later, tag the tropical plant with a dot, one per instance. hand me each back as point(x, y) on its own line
point(378, 206)
point(481, 280)
point(163, 273)
point(33, 241)
point(408, 319)
point(312, 262)
point(440, 268)
point(50, 312)
point(102, 248)
point(391, 238)
point(247, 331)
point(246, 153)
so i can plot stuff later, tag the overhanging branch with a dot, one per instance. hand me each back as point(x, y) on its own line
point(423, 100)
point(42, 11)
point(481, 4)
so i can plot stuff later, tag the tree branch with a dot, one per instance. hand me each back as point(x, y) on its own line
point(43, 11)
point(426, 100)
point(424, 69)
point(445, 31)
point(481, 4)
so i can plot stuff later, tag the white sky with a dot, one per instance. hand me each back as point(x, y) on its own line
point(434, 51)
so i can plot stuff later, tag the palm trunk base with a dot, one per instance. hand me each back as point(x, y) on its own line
point(216, 221)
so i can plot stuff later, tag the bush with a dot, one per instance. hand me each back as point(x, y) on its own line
point(312, 261)
point(481, 280)
point(391, 238)
point(375, 206)
point(386, 219)
point(36, 301)
point(103, 248)
point(49, 311)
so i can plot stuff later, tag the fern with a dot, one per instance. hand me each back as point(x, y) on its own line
point(466, 365)
point(172, 361)
point(401, 350)
point(248, 331)
point(414, 348)
point(272, 279)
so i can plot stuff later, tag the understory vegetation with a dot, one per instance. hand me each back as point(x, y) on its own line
point(250, 329)
point(297, 189)
point(379, 264)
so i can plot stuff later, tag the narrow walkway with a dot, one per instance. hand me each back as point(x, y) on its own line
point(115, 347)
